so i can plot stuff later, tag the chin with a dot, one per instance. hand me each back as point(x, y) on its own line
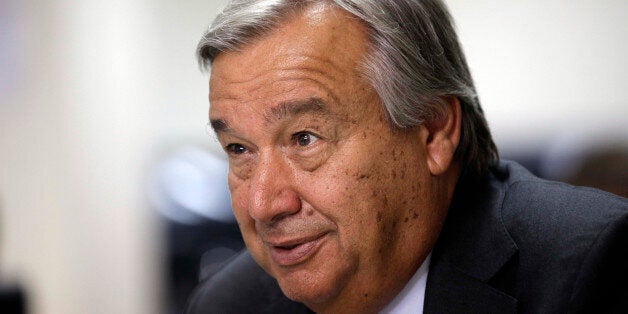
point(310, 289)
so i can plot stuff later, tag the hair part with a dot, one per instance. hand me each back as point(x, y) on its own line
point(414, 62)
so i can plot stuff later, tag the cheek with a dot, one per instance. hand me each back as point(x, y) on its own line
point(370, 197)
point(349, 194)
point(239, 202)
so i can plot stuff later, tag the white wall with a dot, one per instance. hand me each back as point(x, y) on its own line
point(97, 87)
point(546, 69)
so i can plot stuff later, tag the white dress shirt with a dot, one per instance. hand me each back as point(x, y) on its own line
point(410, 299)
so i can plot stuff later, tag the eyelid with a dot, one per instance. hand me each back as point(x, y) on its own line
point(295, 136)
point(229, 140)
point(230, 148)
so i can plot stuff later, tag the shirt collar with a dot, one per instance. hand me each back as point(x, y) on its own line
point(410, 299)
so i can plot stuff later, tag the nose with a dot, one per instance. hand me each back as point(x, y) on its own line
point(272, 194)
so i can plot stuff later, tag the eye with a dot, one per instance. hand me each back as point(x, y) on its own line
point(304, 138)
point(235, 149)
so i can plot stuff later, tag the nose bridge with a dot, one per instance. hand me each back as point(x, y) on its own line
point(272, 194)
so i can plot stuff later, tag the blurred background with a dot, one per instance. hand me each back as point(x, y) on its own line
point(112, 193)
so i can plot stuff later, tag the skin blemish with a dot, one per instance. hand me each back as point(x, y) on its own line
point(379, 217)
point(414, 215)
point(360, 176)
point(394, 173)
point(385, 200)
point(405, 219)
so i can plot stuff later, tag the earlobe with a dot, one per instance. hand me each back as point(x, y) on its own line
point(444, 136)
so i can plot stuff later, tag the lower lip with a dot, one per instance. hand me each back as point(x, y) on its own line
point(297, 254)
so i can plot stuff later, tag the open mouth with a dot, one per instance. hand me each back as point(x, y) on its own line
point(287, 247)
point(296, 252)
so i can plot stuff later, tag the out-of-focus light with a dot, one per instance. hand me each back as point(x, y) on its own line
point(191, 185)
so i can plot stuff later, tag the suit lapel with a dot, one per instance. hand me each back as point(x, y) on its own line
point(473, 246)
point(451, 290)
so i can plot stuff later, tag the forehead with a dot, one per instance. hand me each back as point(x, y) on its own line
point(321, 44)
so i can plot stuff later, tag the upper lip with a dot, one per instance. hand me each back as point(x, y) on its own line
point(293, 241)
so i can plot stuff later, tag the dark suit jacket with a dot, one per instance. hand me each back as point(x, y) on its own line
point(511, 243)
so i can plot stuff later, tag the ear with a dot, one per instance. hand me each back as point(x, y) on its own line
point(443, 137)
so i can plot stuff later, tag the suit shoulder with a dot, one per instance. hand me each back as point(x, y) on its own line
point(551, 246)
point(550, 214)
point(540, 206)
point(571, 242)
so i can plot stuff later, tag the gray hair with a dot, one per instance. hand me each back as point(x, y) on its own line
point(414, 61)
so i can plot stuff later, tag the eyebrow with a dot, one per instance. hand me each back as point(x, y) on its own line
point(292, 108)
point(282, 111)
point(219, 125)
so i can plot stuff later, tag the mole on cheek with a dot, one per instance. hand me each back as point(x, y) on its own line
point(361, 175)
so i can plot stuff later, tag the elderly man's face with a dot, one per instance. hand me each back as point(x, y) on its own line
point(330, 200)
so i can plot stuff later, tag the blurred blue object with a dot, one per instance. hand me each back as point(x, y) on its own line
point(190, 185)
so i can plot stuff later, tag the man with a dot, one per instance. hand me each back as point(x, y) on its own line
point(364, 178)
